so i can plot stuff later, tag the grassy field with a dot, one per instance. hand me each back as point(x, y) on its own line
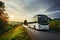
point(55, 25)
point(17, 33)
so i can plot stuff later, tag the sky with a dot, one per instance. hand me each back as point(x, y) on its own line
point(19, 10)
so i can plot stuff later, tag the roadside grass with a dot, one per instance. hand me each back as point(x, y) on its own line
point(55, 25)
point(6, 28)
point(17, 33)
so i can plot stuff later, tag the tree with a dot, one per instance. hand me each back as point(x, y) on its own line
point(25, 22)
point(2, 6)
point(3, 16)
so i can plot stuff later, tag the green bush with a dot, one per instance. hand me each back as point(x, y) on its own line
point(53, 25)
point(6, 28)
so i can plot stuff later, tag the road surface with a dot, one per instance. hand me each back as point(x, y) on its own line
point(43, 35)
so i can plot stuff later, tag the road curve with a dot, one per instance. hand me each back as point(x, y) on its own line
point(43, 35)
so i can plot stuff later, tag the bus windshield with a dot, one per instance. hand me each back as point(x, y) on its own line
point(43, 20)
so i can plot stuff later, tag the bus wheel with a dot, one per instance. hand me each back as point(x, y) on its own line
point(34, 26)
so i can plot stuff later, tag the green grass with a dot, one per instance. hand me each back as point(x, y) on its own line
point(23, 35)
point(55, 25)
point(57, 22)
point(6, 28)
point(17, 33)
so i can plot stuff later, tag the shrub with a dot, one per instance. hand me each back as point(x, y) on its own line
point(53, 25)
point(25, 22)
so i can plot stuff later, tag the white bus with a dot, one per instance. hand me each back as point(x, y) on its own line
point(40, 22)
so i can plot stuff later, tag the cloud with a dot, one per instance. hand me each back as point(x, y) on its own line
point(23, 8)
point(28, 8)
point(54, 14)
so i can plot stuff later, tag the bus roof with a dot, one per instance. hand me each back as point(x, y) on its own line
point(39, 15)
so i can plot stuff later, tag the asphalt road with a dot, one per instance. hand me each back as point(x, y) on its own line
point(43, 35)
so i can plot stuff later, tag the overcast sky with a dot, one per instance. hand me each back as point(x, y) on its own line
point(27, 8)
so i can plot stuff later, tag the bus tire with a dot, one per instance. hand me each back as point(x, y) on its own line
point(34, 26)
